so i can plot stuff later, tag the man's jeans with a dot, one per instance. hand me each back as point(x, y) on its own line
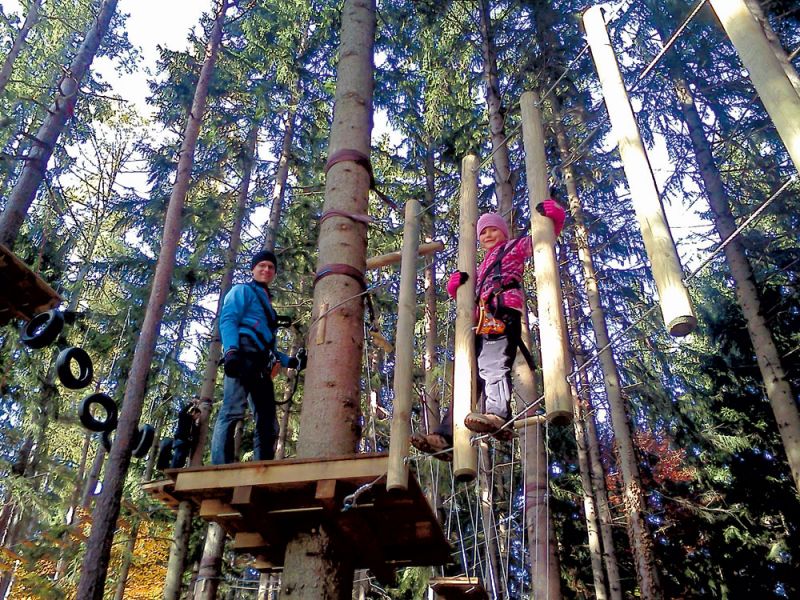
point(238, 392)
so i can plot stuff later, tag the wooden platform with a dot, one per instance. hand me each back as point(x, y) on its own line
point(23, 293)
point(455, 588)
point(263, 504)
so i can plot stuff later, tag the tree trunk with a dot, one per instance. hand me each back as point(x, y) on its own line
point(589, 507)
point(281, 177)
point(8, 64)
point(329, 421)
point(211, 564)
point(485, 485)
point(93, 573)
point(21, 197)
point(596, 468)
point(504, 190)
point(777, 386)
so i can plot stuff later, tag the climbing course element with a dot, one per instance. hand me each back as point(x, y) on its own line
point(143, 440)
point(465, 390)
point(458, 588)
point(404, 356)
point(64, 368)
point(23, 293)
point(556, 363)
point(676, 306)
point(42, 330)
point(263, 505)
point(90, 422)
point(770, 80)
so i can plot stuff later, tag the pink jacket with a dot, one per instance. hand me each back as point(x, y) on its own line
point(511, 268)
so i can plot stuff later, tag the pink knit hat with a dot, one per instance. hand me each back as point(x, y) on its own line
point(492, 220)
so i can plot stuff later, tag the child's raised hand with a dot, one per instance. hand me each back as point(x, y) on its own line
point(457, 279)
point(553, 211)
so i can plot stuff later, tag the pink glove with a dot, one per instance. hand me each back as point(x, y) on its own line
point(552, 210)
point(457, 279)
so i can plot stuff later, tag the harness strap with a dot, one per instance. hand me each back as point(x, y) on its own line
point(341, 269)
point(361, 159)
point(366, 219)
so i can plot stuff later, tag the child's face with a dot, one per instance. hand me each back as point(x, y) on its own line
point(490, 237)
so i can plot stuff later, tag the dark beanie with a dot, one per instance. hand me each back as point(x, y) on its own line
point(263, 255)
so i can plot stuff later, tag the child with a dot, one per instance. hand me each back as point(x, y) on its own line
point(501, 301)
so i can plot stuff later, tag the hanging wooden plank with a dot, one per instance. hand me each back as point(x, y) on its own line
point(676, 306)
point(397, 478)
point(766, 72)
point(465, 388)
point(556, 363)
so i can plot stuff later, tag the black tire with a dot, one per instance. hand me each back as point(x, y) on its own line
point(42, 330)
point(164, 459)
point(64, 368)
point(92, 424)
point(143, 441)
point(106, 440)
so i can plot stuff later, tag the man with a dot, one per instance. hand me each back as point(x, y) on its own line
point(248, 325)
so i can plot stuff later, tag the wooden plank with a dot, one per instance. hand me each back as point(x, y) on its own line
point(213, 508)
point(325, 494)
point(247, 541)
point(448, 588)
point(23, 293)
point(269, 473)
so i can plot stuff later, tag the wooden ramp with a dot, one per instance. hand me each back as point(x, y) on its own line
point(23, 293)
point(263, 504)
point(458, 588)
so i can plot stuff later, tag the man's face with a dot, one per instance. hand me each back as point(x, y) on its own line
point(264, 272)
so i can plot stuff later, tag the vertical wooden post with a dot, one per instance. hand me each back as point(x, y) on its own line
point(465, 389)
point(397, 479)
point(552, 326)
point(768, 76)
point(676, 306)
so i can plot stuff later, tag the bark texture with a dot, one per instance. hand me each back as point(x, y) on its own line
point(93, 573)
point(21, 197)
point(31, 18)
point(329, 421)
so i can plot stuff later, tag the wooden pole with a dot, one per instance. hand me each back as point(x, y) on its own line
point(676, 306)
point(392, 258)
point(552, 326)
point(397, 479)
point(465, 389)
point(766, 72)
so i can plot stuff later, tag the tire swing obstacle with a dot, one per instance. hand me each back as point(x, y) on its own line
point(376, 510)
point(34, 301)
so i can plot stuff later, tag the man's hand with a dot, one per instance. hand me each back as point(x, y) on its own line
point(233, 363)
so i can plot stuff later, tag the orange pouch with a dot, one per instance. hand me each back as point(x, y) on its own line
point(488, 324)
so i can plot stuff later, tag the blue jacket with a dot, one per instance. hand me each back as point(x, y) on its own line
point(243, 314)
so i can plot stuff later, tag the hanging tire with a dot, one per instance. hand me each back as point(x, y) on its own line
point(164, 459)
point(42, 330)
point(106, 440)
point(93, 424)
point(64, 368)
point(143, 441)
